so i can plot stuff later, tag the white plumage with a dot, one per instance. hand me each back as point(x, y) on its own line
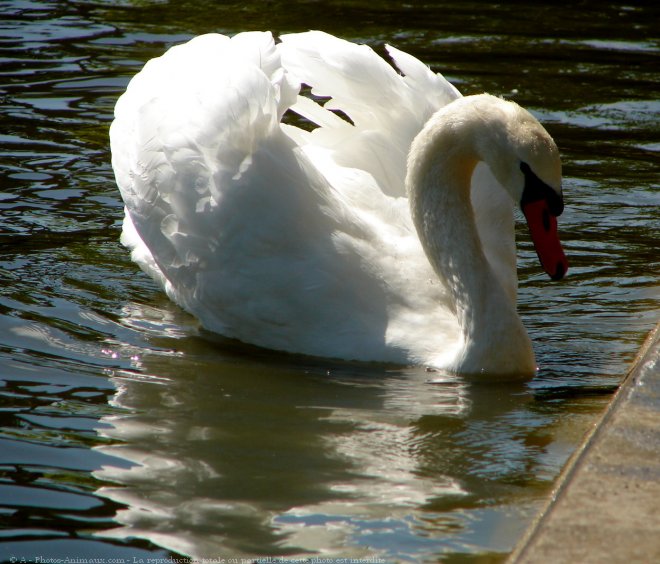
point(304, 241)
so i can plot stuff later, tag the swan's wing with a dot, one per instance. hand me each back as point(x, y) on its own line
point(172, 146)
point(261, 234)
point(233, 219)
point(386, 109)
point(214, 191)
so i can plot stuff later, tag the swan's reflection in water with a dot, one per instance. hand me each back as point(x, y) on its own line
point(241, 457)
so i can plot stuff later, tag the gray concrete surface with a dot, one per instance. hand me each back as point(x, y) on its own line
point(606, 506)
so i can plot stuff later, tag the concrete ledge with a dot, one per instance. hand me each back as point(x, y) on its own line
point(606, 507)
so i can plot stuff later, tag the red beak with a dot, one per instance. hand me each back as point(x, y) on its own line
point(543, 228)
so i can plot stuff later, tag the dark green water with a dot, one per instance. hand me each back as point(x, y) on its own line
point(126, 433)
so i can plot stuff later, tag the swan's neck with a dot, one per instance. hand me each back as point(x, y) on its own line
point(439, 177)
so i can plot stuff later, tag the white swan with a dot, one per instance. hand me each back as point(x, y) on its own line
point(326, 243)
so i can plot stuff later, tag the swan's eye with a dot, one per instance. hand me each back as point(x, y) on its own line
point(535, 190)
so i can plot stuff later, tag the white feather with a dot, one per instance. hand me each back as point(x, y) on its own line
point(289, 239)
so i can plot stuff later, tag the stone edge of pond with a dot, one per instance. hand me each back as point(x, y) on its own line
point(606, 503)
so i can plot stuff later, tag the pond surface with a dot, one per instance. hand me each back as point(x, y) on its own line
point(126, 432)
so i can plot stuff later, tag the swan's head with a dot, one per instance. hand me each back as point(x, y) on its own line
point(519, 152)
point(525, 160)
point(521, 147)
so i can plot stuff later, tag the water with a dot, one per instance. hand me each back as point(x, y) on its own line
point(126, 432)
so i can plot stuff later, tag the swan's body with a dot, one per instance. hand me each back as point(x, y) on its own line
point(307, 242)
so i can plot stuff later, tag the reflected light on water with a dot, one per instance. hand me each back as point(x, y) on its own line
point(353, 461)
point(319, 457)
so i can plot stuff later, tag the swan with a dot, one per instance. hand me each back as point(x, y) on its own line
point(305, 196)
